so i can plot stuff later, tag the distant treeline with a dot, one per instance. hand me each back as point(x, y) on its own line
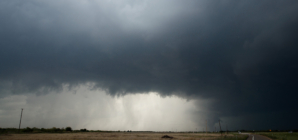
point(294, 130)
point(54, 130)
point(69, 129)
point(41, 130)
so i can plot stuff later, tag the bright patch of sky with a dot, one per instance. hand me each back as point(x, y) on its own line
point(83, 107)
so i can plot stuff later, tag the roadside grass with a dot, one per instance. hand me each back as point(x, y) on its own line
point(235, 137)
point(280, 135)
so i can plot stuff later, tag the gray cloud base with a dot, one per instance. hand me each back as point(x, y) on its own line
point(239, 54)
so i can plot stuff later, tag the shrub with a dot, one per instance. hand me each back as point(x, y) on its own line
point(54, 129)
point(28, 129)
point(83, 130)
point(68, 129)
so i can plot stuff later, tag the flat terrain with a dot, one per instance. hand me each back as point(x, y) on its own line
point(257, 137)
point(115, 136)
point(280, 135)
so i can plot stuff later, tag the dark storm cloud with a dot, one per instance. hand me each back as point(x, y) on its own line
point(239, 54)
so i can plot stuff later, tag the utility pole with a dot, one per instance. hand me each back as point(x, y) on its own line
point(215, 128)
point(227, 129)
point(220, 128)
point(20, 120)
point(206, 126)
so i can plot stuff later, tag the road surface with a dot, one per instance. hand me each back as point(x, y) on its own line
point(257, 137)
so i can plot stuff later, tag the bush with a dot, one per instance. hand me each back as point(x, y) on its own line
point(54, 129)
point(68, 129)
point(28, 129)
point(83, 130)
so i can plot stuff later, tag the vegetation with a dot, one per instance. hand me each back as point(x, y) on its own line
point(69, 132)
point(34, 130)
point(84, 130)
point(124, 135)
point(68, 129)
point(235, 137)
point(280, 135)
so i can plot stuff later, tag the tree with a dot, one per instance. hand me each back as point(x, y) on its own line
point(68, 129)
point(84, 130)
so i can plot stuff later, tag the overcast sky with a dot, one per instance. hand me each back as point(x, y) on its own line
point(149, 64)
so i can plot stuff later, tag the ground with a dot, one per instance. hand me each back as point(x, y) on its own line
point(280, 135)
point(117, 136)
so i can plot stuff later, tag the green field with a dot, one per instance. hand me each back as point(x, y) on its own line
point(280, 135)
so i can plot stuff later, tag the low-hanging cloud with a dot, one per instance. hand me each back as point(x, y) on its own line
point(239, 54)
point(82, 107)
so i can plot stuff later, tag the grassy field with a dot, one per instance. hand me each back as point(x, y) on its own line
point(120, 136)
point(280, 135)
